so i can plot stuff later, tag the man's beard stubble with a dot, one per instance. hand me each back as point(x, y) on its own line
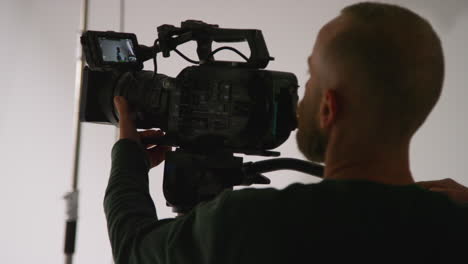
point(311, 141)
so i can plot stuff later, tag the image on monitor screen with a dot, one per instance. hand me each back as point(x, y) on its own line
point(117, 50)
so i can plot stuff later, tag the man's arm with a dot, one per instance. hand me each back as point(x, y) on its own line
point(128, 205)
point(136, 234)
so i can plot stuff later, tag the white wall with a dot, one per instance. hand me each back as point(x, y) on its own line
point(38, 41)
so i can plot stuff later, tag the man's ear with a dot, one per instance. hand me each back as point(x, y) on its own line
point(328, 109)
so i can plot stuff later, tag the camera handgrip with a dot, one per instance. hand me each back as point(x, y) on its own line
point(259, 56)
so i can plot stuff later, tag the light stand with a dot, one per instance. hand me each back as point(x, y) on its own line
point(71, 197)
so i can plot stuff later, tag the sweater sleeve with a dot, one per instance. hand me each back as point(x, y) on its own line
point(136, 234)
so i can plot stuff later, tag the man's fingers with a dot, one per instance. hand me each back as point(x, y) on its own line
point(121, 105)
point(429, 184)
point(126, 124)
point(150, 134)
point(445, 183)
point(147, 137)
point(158, 154)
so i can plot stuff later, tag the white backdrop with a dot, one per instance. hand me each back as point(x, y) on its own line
point(38, 41)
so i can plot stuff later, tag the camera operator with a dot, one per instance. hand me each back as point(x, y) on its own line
point(376, 73)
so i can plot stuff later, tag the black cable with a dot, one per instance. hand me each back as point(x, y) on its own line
point(231, 49)
point(212, 53)
point(185, 57)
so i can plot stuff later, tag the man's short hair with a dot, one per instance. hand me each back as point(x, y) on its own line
point(400, 56)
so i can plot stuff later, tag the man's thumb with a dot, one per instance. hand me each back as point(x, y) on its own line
point(121, 105)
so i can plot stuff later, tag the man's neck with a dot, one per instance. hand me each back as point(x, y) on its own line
point(382, 165)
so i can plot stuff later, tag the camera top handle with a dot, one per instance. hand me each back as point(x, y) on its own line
point(204, 34)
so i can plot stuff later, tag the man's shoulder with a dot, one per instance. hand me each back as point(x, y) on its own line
point(344, 193)
point(273, 200)
point(269, 193)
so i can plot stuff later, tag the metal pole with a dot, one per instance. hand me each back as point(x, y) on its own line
point(72, 197)
point(122, 16)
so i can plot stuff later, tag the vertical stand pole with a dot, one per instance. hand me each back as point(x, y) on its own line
point(72, 197)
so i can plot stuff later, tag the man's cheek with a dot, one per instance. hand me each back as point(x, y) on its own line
point(298, 109)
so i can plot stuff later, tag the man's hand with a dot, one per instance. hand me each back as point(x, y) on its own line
point(453, 189)
point(156, 154)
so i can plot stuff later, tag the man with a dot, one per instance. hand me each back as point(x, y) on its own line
point(376, 73)
point(119, 57)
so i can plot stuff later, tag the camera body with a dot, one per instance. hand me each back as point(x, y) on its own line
point(209, 111)
point(223, 105)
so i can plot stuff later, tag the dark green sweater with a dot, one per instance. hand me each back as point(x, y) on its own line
point(332, 220)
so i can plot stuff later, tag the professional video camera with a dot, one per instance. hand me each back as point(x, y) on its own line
point(209, 111)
